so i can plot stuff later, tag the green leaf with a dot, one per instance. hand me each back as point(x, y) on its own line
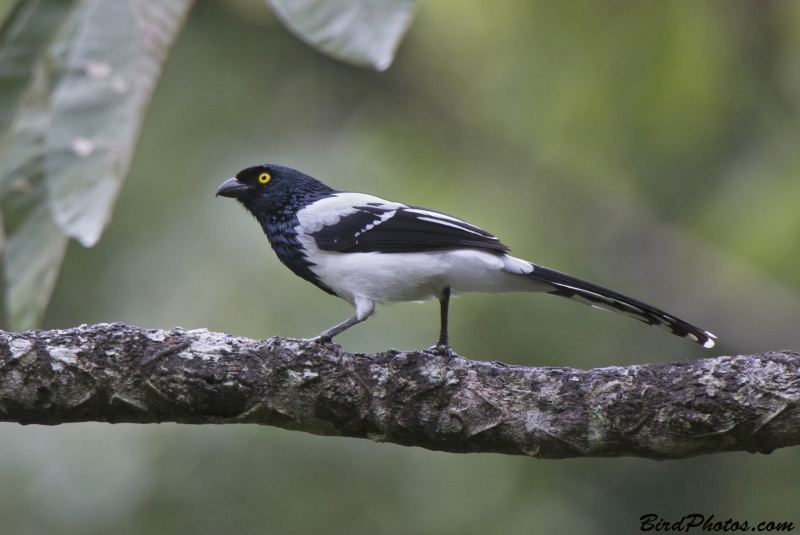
point(69, 144)
point(116, 51)
point(24, 32)
point(35, 246)
point(363, 32)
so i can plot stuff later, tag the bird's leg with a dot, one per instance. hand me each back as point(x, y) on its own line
point(444, 302)
point(443, 344)
point(364, 309)
point(327, 335)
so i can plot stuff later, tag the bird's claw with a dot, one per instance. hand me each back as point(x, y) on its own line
point(321, 340)
point(443, 349)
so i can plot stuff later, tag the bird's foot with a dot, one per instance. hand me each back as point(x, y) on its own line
point(443, 349)
point(321, 340)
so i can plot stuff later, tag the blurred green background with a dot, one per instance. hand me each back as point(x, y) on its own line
point(652, 147)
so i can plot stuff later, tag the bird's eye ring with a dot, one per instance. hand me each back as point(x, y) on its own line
point(264, 178)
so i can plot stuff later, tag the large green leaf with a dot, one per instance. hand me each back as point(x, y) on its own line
point(25, 28)
point(72, 136)
point(35, 245)
point(69, 139)
point(362, 32)
point(117, 50)
point(23, 33)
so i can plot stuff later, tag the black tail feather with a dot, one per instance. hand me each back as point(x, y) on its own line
point(603, 298)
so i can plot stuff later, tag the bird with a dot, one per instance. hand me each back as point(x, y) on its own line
point(367, 250)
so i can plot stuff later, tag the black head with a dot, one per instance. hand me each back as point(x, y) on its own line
point(271, 189)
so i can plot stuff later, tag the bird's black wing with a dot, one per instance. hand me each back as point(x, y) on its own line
point(389, 228)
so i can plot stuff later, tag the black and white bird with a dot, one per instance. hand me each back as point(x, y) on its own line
point(368, 250)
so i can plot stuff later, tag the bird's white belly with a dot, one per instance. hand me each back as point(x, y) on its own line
point(395, 277)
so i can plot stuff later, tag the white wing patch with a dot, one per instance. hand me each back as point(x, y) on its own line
point(383, 218)
point(328, 211)
point(440, 222)
point(436, 217)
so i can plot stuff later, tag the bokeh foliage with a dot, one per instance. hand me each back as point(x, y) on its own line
point(76, 79)
point(650, 147)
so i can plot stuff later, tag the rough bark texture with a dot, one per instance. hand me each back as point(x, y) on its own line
point(117, 373)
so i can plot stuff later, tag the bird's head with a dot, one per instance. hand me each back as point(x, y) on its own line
point(271, 189)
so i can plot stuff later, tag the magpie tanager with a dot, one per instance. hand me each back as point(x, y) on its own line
point(367, 250)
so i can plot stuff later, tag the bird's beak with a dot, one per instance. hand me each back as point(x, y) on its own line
point(232, 188)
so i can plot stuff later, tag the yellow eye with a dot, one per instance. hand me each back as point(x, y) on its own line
point(264, 178)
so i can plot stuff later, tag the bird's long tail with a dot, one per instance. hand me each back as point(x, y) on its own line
point(603, 298)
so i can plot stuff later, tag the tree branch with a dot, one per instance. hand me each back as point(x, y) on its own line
point(117, 373)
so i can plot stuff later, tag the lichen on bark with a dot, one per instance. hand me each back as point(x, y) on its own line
point(118, 373)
